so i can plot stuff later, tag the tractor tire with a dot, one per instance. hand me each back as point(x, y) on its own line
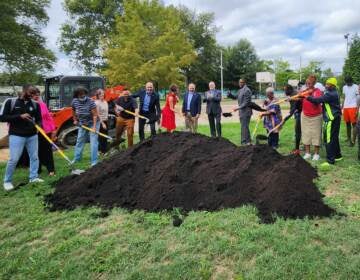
point(67, 137)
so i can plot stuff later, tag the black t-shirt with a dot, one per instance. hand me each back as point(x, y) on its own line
point(18, 126)
point(129, 105)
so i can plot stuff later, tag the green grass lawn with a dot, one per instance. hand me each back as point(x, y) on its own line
point(227, 244)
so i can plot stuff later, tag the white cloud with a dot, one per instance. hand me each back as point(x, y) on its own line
point(266, 24)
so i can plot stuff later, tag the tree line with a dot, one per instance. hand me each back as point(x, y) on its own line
point(130, 42)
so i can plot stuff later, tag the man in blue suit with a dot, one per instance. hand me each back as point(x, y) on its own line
point(149, 107)
point(191, 108)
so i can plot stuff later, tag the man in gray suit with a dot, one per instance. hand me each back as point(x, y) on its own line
point(213, 109)
point(245, 111)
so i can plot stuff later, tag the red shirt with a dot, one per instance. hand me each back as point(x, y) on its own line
point(309, 109)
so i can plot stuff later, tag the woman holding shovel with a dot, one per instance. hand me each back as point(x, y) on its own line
point(272, 118)
point(168, 112)
point(45, 149)
point(103, 111)
point(85, 114)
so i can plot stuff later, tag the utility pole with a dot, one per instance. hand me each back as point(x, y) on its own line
point(222, 75)
point(346, 36)
point(300, 70)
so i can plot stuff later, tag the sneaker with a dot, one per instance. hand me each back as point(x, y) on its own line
point(316, 157)
point(307, 156)
point(8, 186)
point(36, 180)
point(295, 152)
point(325, 166)
point(339, 159)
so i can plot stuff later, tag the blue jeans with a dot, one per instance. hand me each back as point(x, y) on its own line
point(16, 145)
point(81, 141)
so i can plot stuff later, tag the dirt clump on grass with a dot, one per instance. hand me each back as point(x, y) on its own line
point(195, 172)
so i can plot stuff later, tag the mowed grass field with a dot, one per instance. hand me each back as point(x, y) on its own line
point(228, 244)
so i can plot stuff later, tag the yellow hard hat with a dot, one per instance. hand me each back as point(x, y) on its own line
point(332, 81)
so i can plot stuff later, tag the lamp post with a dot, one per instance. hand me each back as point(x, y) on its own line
point(222, 75)
point(346, 37)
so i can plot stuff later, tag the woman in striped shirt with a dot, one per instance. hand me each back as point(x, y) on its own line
point(85, 114)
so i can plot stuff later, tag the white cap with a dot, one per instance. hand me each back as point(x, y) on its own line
point(269, 89)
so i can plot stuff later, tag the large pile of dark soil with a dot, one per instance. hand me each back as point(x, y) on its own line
point(195, 172)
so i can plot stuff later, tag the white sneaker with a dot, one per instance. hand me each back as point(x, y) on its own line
point(36, 180)
point(8, 186)
point(316, 157)
point(307, 156)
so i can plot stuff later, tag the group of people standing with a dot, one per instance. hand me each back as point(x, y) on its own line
point(316, 110)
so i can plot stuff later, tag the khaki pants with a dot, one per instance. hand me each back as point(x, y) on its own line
point(121, 124)
point(191, 123)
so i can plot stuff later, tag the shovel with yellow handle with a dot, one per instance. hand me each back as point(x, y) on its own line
point(43, 133)
point(256, 127)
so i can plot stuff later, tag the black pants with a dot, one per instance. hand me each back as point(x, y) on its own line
point(45, 154)
point(103, 143)
point(297, 132)
point(142, 123)
point(273, 140)
point(214, 121)
point(331, 140)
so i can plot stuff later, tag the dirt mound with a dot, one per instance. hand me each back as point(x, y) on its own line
point(195, 172)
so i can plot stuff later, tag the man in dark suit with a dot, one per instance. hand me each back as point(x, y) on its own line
point(191, 108)
point(149, 107)
point(245, 111)
point(213, 109)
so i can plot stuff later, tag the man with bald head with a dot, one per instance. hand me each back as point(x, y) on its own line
point(213, 109)
point(245, 111)
point(149, 107)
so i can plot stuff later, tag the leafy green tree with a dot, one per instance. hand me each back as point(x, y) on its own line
point(90, 23)
point(148, 45)
point(283, 73)
point(313, 68)
point(22, 47)
point(240, 61)
point(352, 63)
point(201, 31)
point(21, 78)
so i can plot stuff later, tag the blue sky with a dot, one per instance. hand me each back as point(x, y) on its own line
point(284, 29)
point(303, 32)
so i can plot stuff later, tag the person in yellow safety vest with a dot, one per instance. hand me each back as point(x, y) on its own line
point(332, 118)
